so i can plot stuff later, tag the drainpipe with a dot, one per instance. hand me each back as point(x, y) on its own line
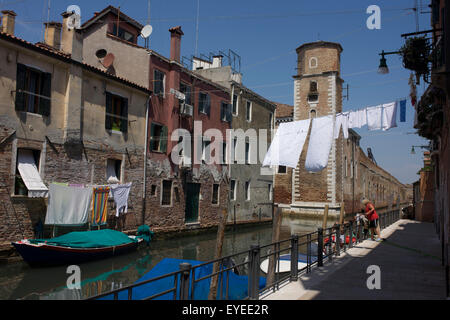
point(144, 189)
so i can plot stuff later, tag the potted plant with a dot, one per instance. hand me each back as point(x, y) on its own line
point(416, 55)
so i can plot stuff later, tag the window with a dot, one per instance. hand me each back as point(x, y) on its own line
point(345, 167)
point(204, 103)
point(159, 83)
point(153, 190)
point(113, 170)
point(225, 112)
point(247, 152)
point(187, 90)
point(33, 90)
point(233, 190)
point(249, 111)
point(123, 34)
point(235, 105)
point(158, 139)
point(313, 86)
point(313, 97)
point(206, 150)
point(116, 113)
point(313, 62)
point(313, 114)
point(235, 155)
point(282, 169)
point(224, 153)
point(270, 189)
point(247, 191)
point(215, 194)
point(166, 199)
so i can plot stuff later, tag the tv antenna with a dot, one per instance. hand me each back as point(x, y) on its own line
point(148, 29)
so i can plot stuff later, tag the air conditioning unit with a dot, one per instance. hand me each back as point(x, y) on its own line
point(187, 110)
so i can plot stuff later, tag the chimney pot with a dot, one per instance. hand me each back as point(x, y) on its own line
point(53, 34)
point(8, 22)
point(175, 43)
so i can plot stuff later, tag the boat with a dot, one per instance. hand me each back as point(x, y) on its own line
point(283, 265)
point(237, 284)
point(76, 247)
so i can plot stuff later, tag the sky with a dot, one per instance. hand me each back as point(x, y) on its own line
point(265, 35)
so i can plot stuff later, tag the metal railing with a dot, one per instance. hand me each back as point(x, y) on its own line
point(330, 242)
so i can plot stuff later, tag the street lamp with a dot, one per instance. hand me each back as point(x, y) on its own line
point(383, 68)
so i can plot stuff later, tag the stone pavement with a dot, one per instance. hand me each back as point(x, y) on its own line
point(409, 260)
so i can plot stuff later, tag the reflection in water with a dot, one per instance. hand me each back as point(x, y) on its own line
point(19, 281)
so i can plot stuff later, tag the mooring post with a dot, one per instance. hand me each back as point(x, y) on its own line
point(253, 279)
point(276, 229)
point(319, 247)
point(350, 233)
point(185, 269)
point(218, 254)
point(338, 240)
point(294, 258)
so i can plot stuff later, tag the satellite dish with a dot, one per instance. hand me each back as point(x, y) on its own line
point(101, 53)
point(108, 61)
point(146, 31)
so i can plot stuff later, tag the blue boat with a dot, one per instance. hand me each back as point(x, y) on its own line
point(237, 284)
point(283, 265)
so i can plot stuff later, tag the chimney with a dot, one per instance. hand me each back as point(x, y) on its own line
point(8, 21)
point(71, 40)
point(53, 34)
point(175, 43)
point(217, 61)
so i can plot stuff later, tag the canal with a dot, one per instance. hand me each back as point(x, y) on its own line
point(19, 281)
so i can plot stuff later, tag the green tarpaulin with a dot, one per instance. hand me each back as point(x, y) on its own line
point(88, 239)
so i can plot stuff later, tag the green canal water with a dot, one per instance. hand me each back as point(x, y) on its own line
point(19, 281)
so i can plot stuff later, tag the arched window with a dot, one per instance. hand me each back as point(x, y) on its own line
point(313, 62)
point(313, 114)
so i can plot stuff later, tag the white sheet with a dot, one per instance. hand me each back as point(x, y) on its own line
point(287, 144)
point(30, 174)
point(374, 117)
point(68, 206)
point(320, 143)
point(389, 116)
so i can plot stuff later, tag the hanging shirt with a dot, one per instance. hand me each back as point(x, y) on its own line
point(389, 116)
point(320, 143)
point(120, 194)
point(342, 120)
point(287, 145)
point(403, 111)
point(374, 117)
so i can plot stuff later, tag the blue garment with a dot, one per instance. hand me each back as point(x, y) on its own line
point(403, 111)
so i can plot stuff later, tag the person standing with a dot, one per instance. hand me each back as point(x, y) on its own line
point(372, 216)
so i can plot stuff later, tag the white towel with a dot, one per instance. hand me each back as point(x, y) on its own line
point(120, 194)
point(287, 145)
point(341, 121)
point(357, 119)
point(374, 117)
point(68, 206)
point(389, 116)
point(362, 115)
point(320, 143)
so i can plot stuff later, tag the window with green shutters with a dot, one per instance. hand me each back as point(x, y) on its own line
point(116, 115)
point(204, 103)
point(158, 138)
point(33, 90)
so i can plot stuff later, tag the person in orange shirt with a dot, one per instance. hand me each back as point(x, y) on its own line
point(372, 216)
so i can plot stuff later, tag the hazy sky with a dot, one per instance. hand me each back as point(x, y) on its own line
point(265, 35)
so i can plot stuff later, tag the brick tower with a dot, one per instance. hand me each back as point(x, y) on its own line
point(317, 93)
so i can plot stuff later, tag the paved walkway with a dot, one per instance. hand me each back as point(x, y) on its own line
point(409, 261)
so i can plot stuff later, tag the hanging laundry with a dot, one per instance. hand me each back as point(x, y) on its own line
point(389, 116)
point(287, 144)
point(320, 143)
point(68, 206)
point(357, 119)
point(374, 117)
point(99, 206)
point(76, 185)
point(403, 111)
point(362, 116)
point(342, 120)
point(120, 194)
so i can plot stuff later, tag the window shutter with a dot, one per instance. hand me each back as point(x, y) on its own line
point(124, 115)
point(229, 112)
point(208, 104)
point(44, 104)
point(20, 85)
point(163, 141)
point(108, 111)
point(200, 102)
point(222, 111)
point(152, 138)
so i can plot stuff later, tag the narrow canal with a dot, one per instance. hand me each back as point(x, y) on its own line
point(19, 281)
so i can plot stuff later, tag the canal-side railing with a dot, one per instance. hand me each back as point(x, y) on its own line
point(317, 248)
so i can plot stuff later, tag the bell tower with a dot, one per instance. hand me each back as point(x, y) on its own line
point(318, 93)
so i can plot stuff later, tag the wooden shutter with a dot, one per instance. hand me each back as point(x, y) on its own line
point(152, 137)
point(46, 88)
point(207, 104)
point(124, 115)
point(108, 111)
point(21, 85)
point(229, 112)
point(163, 139)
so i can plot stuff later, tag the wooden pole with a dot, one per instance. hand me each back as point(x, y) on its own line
point(276, 228)
point(325, 217)
point(219, 245)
